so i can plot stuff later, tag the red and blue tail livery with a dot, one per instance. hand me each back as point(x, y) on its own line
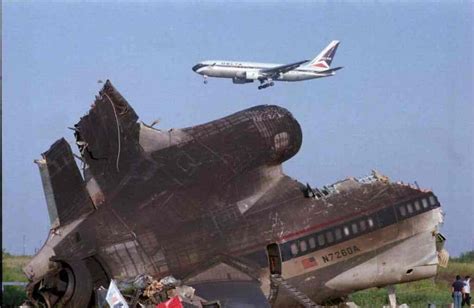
point(323, 61)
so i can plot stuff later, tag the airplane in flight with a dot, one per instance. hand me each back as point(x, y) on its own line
point(267, 73)
point(211, 205)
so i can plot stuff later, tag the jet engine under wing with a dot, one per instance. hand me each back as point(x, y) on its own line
point(282, 68)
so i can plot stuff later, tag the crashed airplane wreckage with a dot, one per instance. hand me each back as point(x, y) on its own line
point(210, 205)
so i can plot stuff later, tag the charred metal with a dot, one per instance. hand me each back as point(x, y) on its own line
point(210, 203)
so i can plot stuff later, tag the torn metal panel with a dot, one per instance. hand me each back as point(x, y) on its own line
point(152, 139)
point(95, 192)
point(443, 258)
point(108, 137)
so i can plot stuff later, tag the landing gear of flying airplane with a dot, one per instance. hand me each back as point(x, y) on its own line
point(266, 85)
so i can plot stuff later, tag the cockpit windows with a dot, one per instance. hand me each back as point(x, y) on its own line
point(198, 66)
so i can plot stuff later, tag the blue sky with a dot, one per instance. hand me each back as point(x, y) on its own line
point(403, 104)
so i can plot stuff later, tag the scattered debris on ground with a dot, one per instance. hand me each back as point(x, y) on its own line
point(146, 291)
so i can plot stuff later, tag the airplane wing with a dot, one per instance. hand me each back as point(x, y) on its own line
point(282, 68)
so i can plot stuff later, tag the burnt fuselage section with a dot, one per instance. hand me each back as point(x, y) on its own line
point(170, 202)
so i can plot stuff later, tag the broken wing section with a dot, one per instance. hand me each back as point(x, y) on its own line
point(108, 138)
point(64, 188)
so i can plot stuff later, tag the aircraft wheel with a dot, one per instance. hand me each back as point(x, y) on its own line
point(272, 84)
point(260, 87)
point(80, 295)
point(70, 286)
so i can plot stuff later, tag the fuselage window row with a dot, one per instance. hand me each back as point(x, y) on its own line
point(328, 237)
point(366, 224)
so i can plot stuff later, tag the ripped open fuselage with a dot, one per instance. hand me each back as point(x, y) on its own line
point(169, 202)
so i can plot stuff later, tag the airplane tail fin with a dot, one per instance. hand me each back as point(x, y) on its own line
point(64, 188)
point(323, 61)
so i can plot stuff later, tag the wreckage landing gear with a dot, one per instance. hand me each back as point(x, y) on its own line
point(69, 286)
point(205, 79)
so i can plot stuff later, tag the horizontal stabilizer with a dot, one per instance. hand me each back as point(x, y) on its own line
point(331, 70)
point(64, 188)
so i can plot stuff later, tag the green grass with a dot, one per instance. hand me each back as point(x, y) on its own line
point(13, 296)
point(12, 267)
point(419, 293)
point(12, 271)
point(415, 294)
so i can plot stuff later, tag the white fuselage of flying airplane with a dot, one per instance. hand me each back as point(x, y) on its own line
point(266, 73)
point(250, 71)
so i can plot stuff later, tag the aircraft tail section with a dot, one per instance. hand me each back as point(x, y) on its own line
point(323, 61)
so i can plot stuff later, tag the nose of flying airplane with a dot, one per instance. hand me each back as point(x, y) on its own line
point(198, 66)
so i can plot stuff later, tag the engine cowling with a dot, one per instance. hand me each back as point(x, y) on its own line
point(246, 76)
